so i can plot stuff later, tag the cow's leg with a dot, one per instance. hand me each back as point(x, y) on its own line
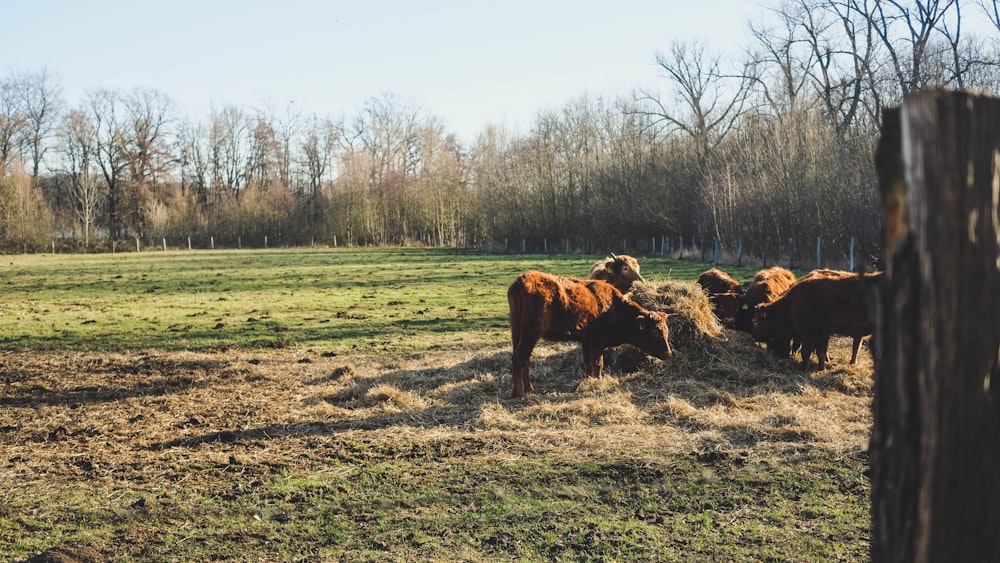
point(822, 344)
point(854, 351)
point(593, 359)
point(524, 344)
point(808, 344)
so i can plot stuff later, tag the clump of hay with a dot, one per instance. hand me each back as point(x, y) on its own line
point(395, 399)
point(613, 408)
point(692, 322)
point(702, 347)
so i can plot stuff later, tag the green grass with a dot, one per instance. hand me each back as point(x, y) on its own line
point(472, 508)
point(382, 301)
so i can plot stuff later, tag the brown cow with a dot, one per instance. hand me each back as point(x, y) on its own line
point(724, 293)
point(726, 307)
point(815, 309)
point(716, 281)
point(591, 312)
point(619, 271)
point(767, 285)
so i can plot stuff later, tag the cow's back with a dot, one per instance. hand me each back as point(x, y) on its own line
point(842, 304)
point(715, 281)
point(767, 286)
point(560, 308)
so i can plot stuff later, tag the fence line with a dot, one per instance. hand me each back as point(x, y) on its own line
point(679, 247)
point(692, 248)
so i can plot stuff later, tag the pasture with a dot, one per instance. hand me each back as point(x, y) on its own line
point(355, 405)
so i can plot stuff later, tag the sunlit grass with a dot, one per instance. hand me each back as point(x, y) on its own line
point(373, 300)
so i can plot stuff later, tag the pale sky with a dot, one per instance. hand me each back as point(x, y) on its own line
point(469, 63)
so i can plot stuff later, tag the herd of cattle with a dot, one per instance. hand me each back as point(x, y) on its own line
point(784, 313)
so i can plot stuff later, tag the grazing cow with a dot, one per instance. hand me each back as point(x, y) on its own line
point(716, 281)
point(726, 307)
point(724, 293)
point(815, 309)
point(591, 312)
point(767, 285)
point(619, 271)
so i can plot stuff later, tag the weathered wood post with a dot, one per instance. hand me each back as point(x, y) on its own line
point(935, 445)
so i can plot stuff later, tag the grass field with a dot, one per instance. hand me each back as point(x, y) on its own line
point(354, 405)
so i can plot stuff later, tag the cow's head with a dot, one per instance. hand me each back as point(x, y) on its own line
point(767, 322)
point(744, 315)
point(652, 334)
point(622, 271)
point(726, 307)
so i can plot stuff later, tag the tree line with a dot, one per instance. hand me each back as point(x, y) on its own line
point(776, 144)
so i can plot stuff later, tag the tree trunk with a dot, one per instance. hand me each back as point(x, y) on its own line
point(935, 446)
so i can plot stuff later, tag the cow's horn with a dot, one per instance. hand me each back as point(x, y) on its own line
point(613, 256)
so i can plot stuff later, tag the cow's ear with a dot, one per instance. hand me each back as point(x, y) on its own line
point(609, 269)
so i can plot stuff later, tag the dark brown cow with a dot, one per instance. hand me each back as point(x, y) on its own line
point(767, 285)
point(815, 309)
point(724, 293)
point(591, 312)
point(619, 271)
point(716, 281)
point(726, 307)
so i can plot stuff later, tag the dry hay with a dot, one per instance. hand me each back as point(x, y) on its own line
point(700, 343)
point(686, 303)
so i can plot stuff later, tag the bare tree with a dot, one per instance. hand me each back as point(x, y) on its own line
point(387, 129)
point(229, 146)
point(706, 101)
point(40, 100)
point(319, 144)
point(992, 11)
point(844, 48)
point(12, 120)
point(780, 70)
point(111, 153)
point(907, 30)
point(78, 138)
point(194, 160)
point(149, 113)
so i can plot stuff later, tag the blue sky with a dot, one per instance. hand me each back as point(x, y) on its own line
point(469, 63)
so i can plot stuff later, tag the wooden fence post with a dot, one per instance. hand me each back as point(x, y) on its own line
point(852, 254)
point(936, 409)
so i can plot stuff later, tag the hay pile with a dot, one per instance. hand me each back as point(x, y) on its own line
point(687, 304)
point(698, 339)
